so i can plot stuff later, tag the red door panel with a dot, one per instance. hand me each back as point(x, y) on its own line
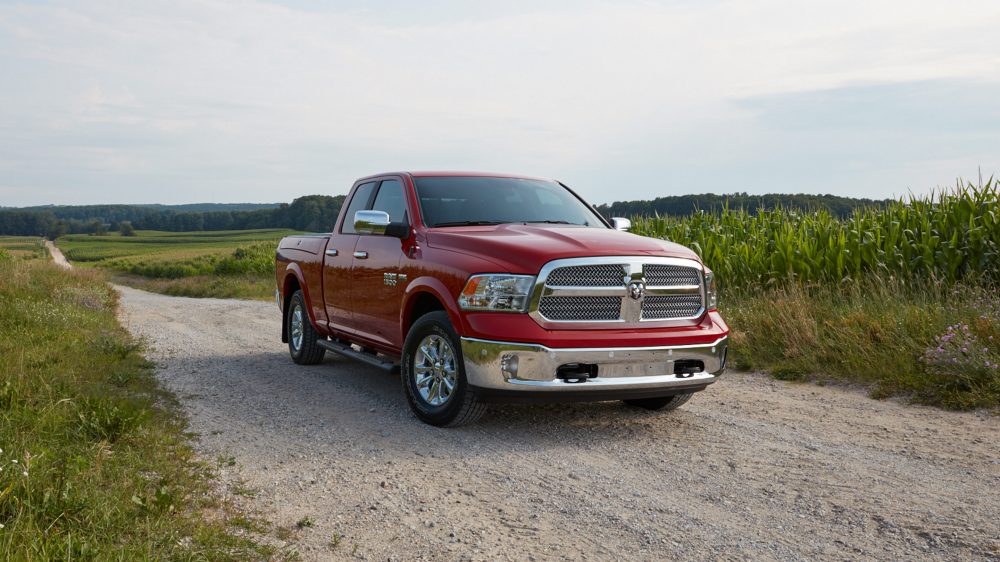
point(338, 258)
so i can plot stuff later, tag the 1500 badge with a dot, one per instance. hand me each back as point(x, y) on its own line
point(391, 279)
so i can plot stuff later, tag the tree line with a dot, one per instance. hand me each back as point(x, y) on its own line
point(683, 205)
point(317, 213)
point(312, 213)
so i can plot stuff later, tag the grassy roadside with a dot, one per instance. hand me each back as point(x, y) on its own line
point(249, 286)
point(224, 264)
point(938, 344)
point(95, 464)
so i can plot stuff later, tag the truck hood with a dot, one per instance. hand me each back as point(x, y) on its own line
point(525, 248)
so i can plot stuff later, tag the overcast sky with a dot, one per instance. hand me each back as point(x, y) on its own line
point(243, 101)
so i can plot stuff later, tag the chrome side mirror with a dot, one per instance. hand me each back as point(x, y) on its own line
point(371, 222)
point(622, 224)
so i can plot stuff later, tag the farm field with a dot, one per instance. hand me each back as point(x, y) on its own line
point(225, 264)
point(22, 246)
point(902, 299)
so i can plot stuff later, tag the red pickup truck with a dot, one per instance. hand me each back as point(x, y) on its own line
point(486, 288)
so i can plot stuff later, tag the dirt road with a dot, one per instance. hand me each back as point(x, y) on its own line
point(57, 256)
point(750, 469)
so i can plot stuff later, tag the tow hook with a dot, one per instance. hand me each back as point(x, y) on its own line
point(575, 373)
point(686, 369)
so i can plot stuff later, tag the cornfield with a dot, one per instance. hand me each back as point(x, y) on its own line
point(947, 236)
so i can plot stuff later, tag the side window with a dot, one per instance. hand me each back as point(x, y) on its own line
point(358, 203)
point(390, 199)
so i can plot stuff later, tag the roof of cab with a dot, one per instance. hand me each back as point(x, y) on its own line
point(453, 173)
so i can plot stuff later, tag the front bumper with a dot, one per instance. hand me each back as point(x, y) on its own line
point(507, 369)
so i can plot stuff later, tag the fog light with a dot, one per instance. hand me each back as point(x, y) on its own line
point(508, 364)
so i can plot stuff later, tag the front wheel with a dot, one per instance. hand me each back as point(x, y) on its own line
point(302, 337)
point(665, 403)
point(433, 374)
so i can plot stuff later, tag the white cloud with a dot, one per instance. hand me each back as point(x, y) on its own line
point(224, 100)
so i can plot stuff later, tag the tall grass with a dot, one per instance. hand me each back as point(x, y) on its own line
point(94, 463)
point(902, 299)
point(945, 237)
point(888, 335)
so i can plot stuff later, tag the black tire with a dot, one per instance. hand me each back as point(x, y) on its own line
point(306, 351)
point(461, 406)
point(663, 403)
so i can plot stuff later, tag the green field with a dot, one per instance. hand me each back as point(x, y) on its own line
point(22, 246)
point(226, 264)
point(94, 460)
point(903, 298)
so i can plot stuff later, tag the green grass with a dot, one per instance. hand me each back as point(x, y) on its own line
point(95, 462)
point(22, 247)
point(881, 298)
point(225, 264)
point(881, 333)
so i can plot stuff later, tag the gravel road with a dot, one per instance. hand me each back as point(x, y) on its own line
point(57, 256)
point(752, 468)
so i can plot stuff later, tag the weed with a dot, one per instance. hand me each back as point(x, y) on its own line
point(285, 533)
point(305, 522)
point(108, 420)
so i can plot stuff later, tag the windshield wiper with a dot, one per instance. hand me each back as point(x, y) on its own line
point(468, 223)
point(554, 222)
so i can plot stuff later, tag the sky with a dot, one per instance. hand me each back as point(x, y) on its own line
point(264, 101)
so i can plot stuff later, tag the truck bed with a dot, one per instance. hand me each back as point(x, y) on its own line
point(309, 243)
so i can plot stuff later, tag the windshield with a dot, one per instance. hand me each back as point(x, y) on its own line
point(467, 201)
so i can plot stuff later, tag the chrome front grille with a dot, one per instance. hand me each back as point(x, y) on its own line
point(631, 290)
point(589, 309)
point(600, 275)
point(658, 274)
point(670, 306)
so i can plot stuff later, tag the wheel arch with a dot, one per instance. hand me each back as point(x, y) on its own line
point(425, 295)
point(292, 282)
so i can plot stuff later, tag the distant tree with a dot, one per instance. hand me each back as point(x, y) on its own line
point(126, 228)
point(57, 229)
point(97, 227)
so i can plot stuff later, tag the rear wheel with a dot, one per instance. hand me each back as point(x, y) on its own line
point(433, 374)
point(302, 337)
point(664, 403)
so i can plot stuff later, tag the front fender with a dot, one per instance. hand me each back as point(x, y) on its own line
point(434, 287)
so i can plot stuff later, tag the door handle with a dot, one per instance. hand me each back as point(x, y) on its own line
point(361, 255)
point(332, 252)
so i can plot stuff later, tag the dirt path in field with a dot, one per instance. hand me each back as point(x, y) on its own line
point(752, 468)
point(57, 256)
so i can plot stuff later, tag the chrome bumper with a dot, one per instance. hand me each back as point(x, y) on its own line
point(508, 366)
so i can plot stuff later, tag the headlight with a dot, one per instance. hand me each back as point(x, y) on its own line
point(497, 291)
point(711, 295)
